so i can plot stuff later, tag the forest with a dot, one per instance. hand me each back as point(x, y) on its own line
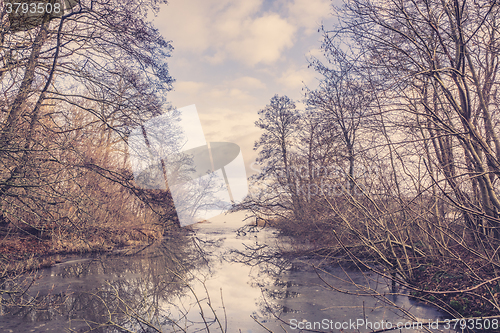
point(73, 87)
point(392, 163)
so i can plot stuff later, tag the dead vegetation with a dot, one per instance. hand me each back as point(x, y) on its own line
point(394, 164)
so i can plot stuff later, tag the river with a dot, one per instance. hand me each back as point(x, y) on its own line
point(218, 278)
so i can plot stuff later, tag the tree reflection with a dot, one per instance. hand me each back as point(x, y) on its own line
point(134, 293)
point(296, 284)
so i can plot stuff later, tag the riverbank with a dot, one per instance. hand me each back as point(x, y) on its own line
point(20, 251)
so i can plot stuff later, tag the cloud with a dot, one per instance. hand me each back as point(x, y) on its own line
point(309, 13)
point(231, 94)
point(190, 87)
point(231, 56)
point(262, 40)
point(222, 30)
point(244, 31)
point(294, 79)
point(185, 23)
point(248, 83)
point(229, 123)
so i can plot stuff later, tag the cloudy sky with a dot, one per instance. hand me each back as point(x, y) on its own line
point(232, 56)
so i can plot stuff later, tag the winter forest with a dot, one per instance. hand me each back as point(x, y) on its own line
point(390, 164)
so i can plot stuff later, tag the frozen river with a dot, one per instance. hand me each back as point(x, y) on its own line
point(215, 279)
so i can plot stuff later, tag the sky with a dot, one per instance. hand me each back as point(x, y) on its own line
point(231, 57)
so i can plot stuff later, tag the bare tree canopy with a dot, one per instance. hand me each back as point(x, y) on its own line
point(73, 86)
point(397, 156)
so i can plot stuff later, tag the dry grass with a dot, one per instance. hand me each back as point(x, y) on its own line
point(20, 252)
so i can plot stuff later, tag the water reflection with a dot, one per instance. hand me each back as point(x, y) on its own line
point(219, 280)
point(306, 294)
point(111, 293)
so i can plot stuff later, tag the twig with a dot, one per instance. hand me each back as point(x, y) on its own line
point(267, 329)
point(224, 308)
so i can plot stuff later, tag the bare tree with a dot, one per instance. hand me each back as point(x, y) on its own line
point(441, 59)
point(73, 85)
point(343, 99)
point(431, 69)
point(273, 190)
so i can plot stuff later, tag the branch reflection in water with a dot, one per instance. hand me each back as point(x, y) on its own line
point(220, 278)
point(142, 291)
point(298, 287)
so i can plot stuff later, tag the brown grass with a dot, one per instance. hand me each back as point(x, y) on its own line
point(20, 251)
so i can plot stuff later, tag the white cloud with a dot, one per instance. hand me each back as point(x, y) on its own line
point(262, 40)
point(223, 30)
point(226, 123)
point(248, 83)
point(231, 57)
point(185, 23)
point(294, 79)
point(230, 18)
point(189, 87)
point(228, 93)
point(309, 13)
